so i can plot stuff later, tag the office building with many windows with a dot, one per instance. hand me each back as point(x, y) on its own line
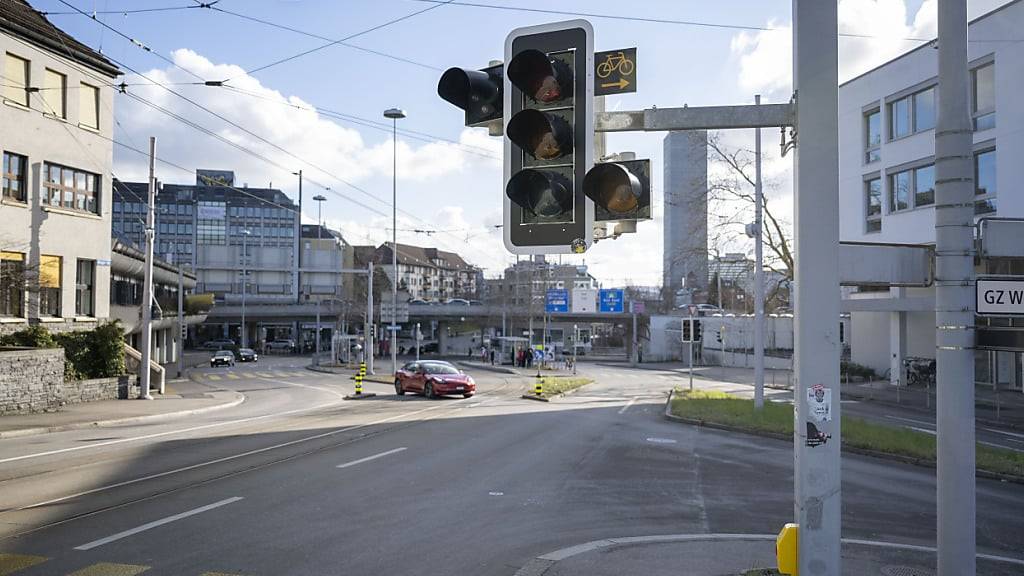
point(57, 119)
point(887, 120)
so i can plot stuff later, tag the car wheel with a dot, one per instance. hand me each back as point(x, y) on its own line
point(428, 390)
point(398, 388)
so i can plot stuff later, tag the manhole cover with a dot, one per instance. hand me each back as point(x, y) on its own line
point(907, 571)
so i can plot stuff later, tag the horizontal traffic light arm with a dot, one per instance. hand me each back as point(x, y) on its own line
point(697, 118)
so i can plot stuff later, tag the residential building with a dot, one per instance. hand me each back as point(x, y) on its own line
point(685, 231)
point(525, 284)
point(57, 118)
point(425, 273)
point(887, 184)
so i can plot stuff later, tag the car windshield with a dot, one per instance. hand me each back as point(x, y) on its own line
point(245, 350)
point(223, 354)
point(438, 368)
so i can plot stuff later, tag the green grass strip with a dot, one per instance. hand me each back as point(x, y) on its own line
point(560, 384)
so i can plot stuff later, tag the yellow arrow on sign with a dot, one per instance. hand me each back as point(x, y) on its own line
point(622, 83)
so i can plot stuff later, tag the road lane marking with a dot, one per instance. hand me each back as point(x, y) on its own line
point(628, 404)
point(232, 376)
point(368, 458)
point(11, 563)
point(1000, 446)
point(212, 377)
point(925, 430)
point(110, 569)
point(911, 420)
point(155, 523)
point(661, 440)
point(997, 431)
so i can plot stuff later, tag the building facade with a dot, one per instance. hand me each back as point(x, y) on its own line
point(428, 273)
point(887, 179)
point(57, 118)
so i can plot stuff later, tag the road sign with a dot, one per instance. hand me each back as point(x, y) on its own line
point(636, 307)
point(583, 300)
point(557, 300)
point(610, 300)
point(387, 311)
point(1000, 297)
point(615, 72)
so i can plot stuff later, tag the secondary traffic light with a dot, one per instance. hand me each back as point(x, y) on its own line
point(698, 331)
point(687, 336)
point(549, 127)
point(478, 92)
point(621, 190)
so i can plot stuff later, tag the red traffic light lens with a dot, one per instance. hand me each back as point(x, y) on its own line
point(540, 77)
point(542, 135)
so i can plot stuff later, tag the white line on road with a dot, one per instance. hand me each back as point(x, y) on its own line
point(368, 458)
point(1000, 446)
point(911, 420)
point(155, 523)
point(1014, 434)
point(628, 404)
point(925, 430)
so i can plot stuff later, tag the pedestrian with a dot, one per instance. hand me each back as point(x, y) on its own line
point(492, 356)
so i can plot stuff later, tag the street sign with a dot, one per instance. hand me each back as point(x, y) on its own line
point(557, 300)
point(583, 300)
point(615, 72)
point(1000, 297)
point(387, 311)
point(610, 300)
point(636, 307)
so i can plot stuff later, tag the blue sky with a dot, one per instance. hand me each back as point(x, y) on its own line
point(451, 187)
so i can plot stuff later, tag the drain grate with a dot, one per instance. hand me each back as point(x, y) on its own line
point(893, 570)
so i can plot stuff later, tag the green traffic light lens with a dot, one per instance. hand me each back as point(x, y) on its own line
point(541, 192)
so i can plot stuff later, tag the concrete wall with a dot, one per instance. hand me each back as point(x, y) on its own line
point(870, 342)
point(34, 229)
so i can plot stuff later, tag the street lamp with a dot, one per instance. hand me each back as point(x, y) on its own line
point(320, 199)
point(394, 114)
point(245, 278)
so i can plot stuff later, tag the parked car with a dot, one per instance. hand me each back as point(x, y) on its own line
point(222, 358)
point(433, 378)
point(220, 344)
point(418, 302)
point(281, 346)
point(457, 302)
point(247, 355)
point(708, 309)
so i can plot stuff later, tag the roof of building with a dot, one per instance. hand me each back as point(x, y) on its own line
point(929, 44)
point(19, 18)
point(415, 256)
point(310, 231)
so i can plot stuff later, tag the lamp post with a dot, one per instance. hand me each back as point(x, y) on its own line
point(320, 199)
point(245, 280)
point(394, 114)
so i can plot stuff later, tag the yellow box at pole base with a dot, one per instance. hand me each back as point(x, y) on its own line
point(786, 550)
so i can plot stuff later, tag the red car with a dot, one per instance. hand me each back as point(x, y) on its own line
point(433, 378)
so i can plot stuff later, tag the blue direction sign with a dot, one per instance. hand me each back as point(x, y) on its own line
point(610, 300)
point(557, 300)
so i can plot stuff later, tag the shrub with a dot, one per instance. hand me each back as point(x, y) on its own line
point(97, 353)
point(31, 337)
point(853, 369)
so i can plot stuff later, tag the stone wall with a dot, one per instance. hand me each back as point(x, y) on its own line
point(31, 380)
point(98, 389)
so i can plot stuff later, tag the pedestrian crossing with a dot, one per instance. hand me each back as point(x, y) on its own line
point(248, 374)
point(24, 563)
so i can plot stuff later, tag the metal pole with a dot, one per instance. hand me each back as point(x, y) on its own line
point(816, 436)
point(691, 352)
point(758, 273)
point(954, 300)
point(718, 277)
point(368, 326)
point(181, 318)
point(245, 282)
point(417, 341)
point(636, 356)
point(319, 227)
point(298, 255)
point(394, 244)
point(575, 345)
point(147, 283)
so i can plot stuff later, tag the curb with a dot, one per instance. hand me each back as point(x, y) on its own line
point(536, 398)
point(362, 396)
point(488, 367)
point(922, 462)
point(121, 421)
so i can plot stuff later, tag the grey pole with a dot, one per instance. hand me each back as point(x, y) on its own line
point(319, 226)
point(954, 299)
point(147, 283)
point(575, 345)
point(245, 281)
point(298, 246)
point(181, 316)
point(816, 333)
point(417, 341)
point(758, 273)
point(394, 114)
point(690, 347)
point(368, 327)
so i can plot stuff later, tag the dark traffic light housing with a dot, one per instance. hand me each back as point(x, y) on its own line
point(620, 190)
point(549, 128)
point(478, 92)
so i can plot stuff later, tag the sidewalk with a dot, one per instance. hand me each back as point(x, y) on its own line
point(183, 398)
point(733, 554)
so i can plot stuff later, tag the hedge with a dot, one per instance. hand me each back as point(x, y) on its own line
point(97, 353)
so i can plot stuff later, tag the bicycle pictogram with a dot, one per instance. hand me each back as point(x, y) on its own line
point(613, 62)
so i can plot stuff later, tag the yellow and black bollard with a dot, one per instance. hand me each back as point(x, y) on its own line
point(362, 369)
point(359, 384)
point(538, 388)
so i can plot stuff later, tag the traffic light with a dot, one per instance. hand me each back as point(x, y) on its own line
point(621, 190)
point(687, 337)
point(549, 127)
point(698, 331)
point(721, 334)
point(478, 92)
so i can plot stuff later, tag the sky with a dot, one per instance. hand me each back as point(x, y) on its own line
point(322, 112)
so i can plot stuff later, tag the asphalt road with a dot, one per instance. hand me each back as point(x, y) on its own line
point(297, 481)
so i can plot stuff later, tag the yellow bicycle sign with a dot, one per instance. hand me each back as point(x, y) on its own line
point(615, 62)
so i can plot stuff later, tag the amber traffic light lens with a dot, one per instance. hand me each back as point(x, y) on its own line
point(613, 187)
point(542, 135)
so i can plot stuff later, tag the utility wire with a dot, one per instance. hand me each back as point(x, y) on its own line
point(125, 12)
point(345, 39)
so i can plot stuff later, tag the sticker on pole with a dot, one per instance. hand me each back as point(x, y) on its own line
point(819, 403)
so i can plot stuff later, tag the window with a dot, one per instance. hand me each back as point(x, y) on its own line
point(924, 186)
point(872, 135)
point(14, 176)
point(985, 182)
point(911, 114)
point(71, 188)
point(49, 285)
point(88, 106)
point(873, 194)
point(85, 288)
point(899, 191)
point(12, 284)
point(983, 96)
point(54, 92)
point(16, 80)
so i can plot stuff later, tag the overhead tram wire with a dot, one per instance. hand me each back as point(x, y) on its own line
point(125, 12)
point(345, 39)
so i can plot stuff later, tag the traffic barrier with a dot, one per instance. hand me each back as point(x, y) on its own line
point(538, 388)
point(359, 384)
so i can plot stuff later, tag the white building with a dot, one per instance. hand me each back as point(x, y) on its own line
point(57, 119)
point(887, 148)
